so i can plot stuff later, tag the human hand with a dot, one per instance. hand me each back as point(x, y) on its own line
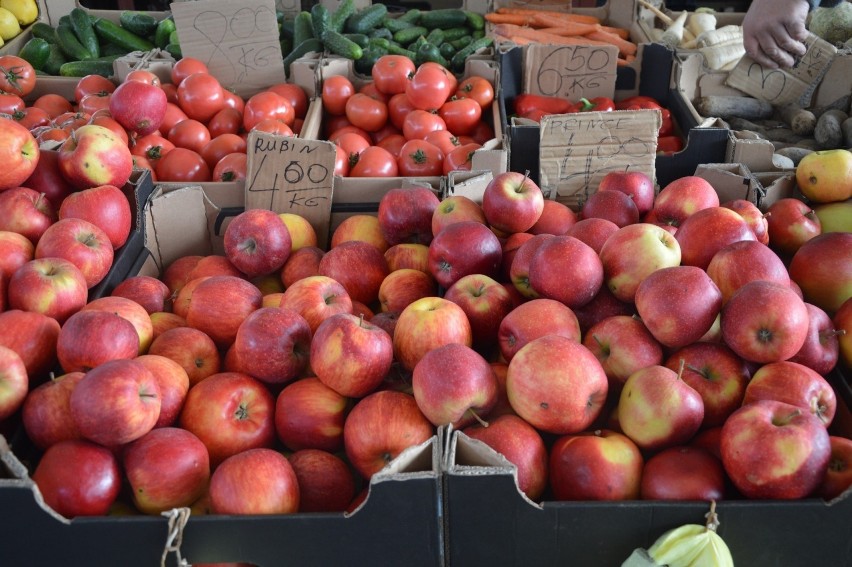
point(774, 32)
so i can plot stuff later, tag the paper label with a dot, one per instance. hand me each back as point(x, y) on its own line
point(570, 71)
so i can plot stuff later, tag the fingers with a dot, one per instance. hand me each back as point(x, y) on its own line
point(773, 52)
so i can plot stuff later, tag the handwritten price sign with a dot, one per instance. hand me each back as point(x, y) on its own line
point(571, 71)
point(237, 40)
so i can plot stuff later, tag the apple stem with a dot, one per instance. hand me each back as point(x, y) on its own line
point(360, 319)
point(712, 517)
point(481, 421)
point(41, 197)
point(831, 333)
point(680, 369)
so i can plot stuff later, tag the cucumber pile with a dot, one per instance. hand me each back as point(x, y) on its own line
point(446, 36)
point(82, 44)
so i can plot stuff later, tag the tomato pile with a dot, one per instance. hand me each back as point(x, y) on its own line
point(409, 121)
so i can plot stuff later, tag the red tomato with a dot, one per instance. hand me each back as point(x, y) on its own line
point(420, 158)
point(173, 115)
point(374, 162)
point(220, 146)
point(201, 96)
point(186, 66)
point(430, 86)
point(332, 124)
point(393, 144)
point(482, 132)
point(297, 125)
point(479, 89)
point(366, 112)
point(461, 115)
point(140, 162)
point(384, 132)
point(232, 167)
point(267, 104)
point(152, 146)
point(273, 126)
point(104, 119)
point(371, 91)
point(93, 102)
point(459, 158)
point(144, 76)
point(390, 73)
point(398, 108)
point(349, 130)
point(17, 75)
point(182, 164)
point(171, 92)
point(233, 100)
point(418, 123)
point(444, 139)
point(352, 143)
point(465, 140)
point(11, 103)
point(31, 117)
point(341, 162)
point(190, 134)
point(336, 90)
point(53, 104)
point(92, 84)
point(228, 120)
point(295, 94)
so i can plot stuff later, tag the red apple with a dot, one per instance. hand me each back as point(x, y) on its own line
point(741, 262)
point(623, 345)
point(52, 286)
point(519, 271)
point(485, 302)
point(214, 265)
point(453, 209)
point(302, 233)
point(838, 477)
point(556, 218)
point(218, 306)
point(166, 468)
point(464, 248)
point(793, 384)
point(162, 321)
point(599, 465)
point(405, 215)
point(823, 269)
point(33, 336)
point(362, 228)
point(93, 155)
point(48, 179)
point(302, 263)
point(26, 212)
point(174, 385)
point(192, 349)
point(255, 481)
point(89, 339)
point(616, 207)
point(380, 427)
point(116, 403)
point(426, 324)
point(20, 153)
point(556, 385)
point(593, 231)
point(130, 310)
point(386, 320)
point(317, 298)
point(754, 217)
point(257, 242)
point(567, 270)
point(81, 243)
point(310, 415)
point(272, 345)
point(604, 304)
point(512, 202)
point(46, 413)
point(326, 484)
point(149, 292)
point(791, 223)
point(821, 349)
point(358, 266)
point(14, 382)
point(15, 251)
point(683, 197)
point(404, 286)
point(773, 450)
point(533, 319)
point(707, 231)
point(683, 473)
point(843, 323)
point(408, 255)
point(510, 248)
point(178, 271)
point(636, 184)
point(105, 206)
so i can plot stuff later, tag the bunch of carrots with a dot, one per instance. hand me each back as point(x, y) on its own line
point(536, 25)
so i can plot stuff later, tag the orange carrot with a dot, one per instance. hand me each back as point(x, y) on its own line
point(520, 40)
point(620, 32)
point(584, 18)
point(517, 19)
point(625, 47)
point(509, 30)
point(569, 27)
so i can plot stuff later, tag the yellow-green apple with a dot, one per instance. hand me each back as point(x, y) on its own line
point(512, 202)
point(302, 263)
point(567, 270)
point(46, 413)
point(130, 310)
point(350, 355)
point(485, 302)
point(361, 227)
point(105, 206)
point(821, 350)
point(255, 481)
point(823, 269)
point(463, 248)
point(519, 271)
point(707, 231)
point(78, 478)
point(510, 249)
point(657, 409)
point(533, 319)
point(19, 155)
point(52, 286)
point(257, 242)
point(272, 345)
point(81, 243)
point(453, 209)
point(408, 255)
point(595, 465)
point(310, 415)
point(405, 215)
point(593, 231)
point(793, 384)
point(116, 403)
point(741, 262)
point(192, 349)
point(632, 253)
point(219, 304)
point(825, 176)
point(358, 266)
point(33, 336)
point(177, 272)
point(616, 207)
point(162, 321)
point(426, 324)
point(843, 323)
point(15, 251)
point(637, 184)
point(149, 292)
point(94, 155)
point(791, 223)
point(835, 217)
point(556, 218)
point(302, 232)
point(47, 178)
point(715, 372)
point(380, 427)
point(404, 286)
point(91, 338)
point(230, 412)
point(765, 322)
point(683, 473)
point(604, 304)
point(174, 385)
point(683, 197)
point(138, 106)
point(753, 216)
point(316, 298)
point(454, 385)
point(556, 384)
point(26, 212)
point(773, 450)
point(678, 304)
point(166, 468)
point(521, 445)
point(326, 484)
point(14, 382)
point(838, 477)
point(623, 345)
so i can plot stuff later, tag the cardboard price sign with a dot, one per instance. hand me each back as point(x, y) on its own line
point(291, 175)
point(570, 71)
point(237, 40)
point(577, 150)
point(784, 86)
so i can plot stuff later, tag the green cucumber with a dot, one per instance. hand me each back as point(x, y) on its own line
point(142, 24)
point(54, 60)
point(431, 53)
point(341, 45)
point(445, 18)
point(43, 31)
point(408, 35)
point(71, 46)
point(436, 36)
point(396, 24)
point(174, 50)
point(343, 12)
point(474, 21)
point(412, 16)
point(447, 50)
point(397, 49)
point(83, 68)
point(302, 49)
point(361, 39)
point(286, 44)
point(286, 28)
point(381, 32)
point(85, 32)
point(364, 65)
point(303, 27)
point(380, 42)
point(478, 34)
point(161, 34)
point(35, 51)
point(453, 34)
point(462, 42)
point(457, 62)
point(112, 49)
point(366, 19)
point(320, 19)
point(115, 34)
